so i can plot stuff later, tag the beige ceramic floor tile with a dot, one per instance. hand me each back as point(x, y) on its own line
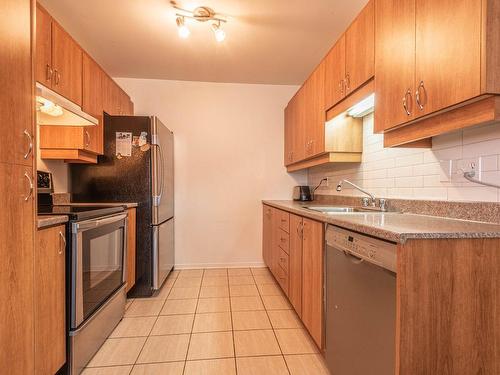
point(264, 279)
point(284, 319)
point(215, 281)
point(243, 290)
point(164, 349)
point(276, 303)
point(246, 303)
point(191, 273)
point(170, 368)
point(114, 370)
point(255, 343)
point(144, 307)
point(214, 291)
point(184, 293)
point(243, 320)
point(128, 303)
point(211, 345)
point(211, 367)
point(169, 282)
point(179, 306)
point(295, 341)
point(260, 271)
point(117, 352)
point(269, 290)
point(134, 327)
point(239, 272)
point(272, 365)
point(174, 274)
point(212, 322)
point(241, 280)
point(306, 364)
point(206, 305)
point(173, 325)
point(215, 272)
point(162, 293)
point(187, 282)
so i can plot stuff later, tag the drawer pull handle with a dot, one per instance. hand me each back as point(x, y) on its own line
point(63, 243)
point(30, 145)
point(30, 184)
point(406, 101)
point(420, 103)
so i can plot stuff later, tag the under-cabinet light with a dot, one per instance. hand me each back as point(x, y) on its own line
point(363, 108)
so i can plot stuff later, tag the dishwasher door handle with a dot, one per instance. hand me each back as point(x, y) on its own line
point(353, 258)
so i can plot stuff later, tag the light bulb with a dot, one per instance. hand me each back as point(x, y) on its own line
point(183, 30)
point(220, 35)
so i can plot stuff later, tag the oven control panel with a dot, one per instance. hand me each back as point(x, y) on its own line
point(373, 250)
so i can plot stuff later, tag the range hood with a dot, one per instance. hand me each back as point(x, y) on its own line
point(54, 109)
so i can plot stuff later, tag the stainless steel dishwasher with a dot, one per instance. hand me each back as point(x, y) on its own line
point(360, 304)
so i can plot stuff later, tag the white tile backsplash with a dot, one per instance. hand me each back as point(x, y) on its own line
point(415, 173)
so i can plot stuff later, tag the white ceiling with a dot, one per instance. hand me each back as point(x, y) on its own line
point(268, 41)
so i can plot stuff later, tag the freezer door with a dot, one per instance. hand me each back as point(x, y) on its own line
point(162, 140)
point(163, 252)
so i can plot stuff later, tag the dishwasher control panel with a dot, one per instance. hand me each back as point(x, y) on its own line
point(379, 252)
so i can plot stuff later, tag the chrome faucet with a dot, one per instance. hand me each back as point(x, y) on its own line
point(366, 201)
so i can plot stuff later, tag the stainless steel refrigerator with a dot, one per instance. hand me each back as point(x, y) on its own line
point(137, 166)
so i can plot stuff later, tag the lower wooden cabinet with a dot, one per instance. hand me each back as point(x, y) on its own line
point(50, 300)
point(295, 258)
point(131, 248)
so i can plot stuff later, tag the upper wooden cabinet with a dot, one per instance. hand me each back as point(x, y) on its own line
point(350, 63)
point(314, 103)
point(433, 57)
point(92, 102)
point(58, 58)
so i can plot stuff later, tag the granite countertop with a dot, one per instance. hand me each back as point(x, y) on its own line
point(393, 226)
point(111, 204)
point(48, 221)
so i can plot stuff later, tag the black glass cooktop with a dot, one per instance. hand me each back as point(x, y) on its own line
point(80, 212)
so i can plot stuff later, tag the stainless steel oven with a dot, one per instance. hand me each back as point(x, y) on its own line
point(97, 283)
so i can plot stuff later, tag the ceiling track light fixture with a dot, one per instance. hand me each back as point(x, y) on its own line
point(200, 14)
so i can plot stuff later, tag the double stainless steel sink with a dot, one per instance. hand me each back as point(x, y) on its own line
point(334, 210)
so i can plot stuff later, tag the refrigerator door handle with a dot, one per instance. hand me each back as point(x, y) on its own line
point(159, 179)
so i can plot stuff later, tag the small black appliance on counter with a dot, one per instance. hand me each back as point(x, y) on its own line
point(302, 193)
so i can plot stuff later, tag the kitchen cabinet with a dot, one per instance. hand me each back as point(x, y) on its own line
point(60, 63)
point(293, 250)
point(72, 143)
point(295, 263)
point(17, 253)
point(315, 113)
point(312, 279)
point(50, 300)
point(350, 63)
point(92, 101)
point(444, 61)
point(131, 247)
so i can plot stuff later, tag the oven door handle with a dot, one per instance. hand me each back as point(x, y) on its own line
point(91, 224)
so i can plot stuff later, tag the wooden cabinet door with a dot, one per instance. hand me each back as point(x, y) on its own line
point(360, 49)
point(315, 112)
point(92, 102)
point(50, 300)
point(16, 267)
point(448, 53)
point(67, 64)
point(16, 100)
point(394, 63)
point(299, 125)
point(312, 279)
point(335, 74)
point(267, 234)
point(275, 245)
point(131, 247)
point(43, 58)
point(295, 263)
point(288, 156)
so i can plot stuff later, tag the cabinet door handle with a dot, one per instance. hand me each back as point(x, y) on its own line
point(405, 102)
point(63, 243)
point(30, 145)
point(87, 136)
point(420, 103)
point(57, 77)
point(30, 184)
point(48, 73)
point(347, 82)
point(341, 87)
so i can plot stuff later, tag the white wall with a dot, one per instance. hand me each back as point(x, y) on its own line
point(417, 173)
point(228, 157)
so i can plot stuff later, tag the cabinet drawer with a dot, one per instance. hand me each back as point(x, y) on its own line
point(282, 277)
point(284, 221)
point(284, 241)
point(284, 261)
